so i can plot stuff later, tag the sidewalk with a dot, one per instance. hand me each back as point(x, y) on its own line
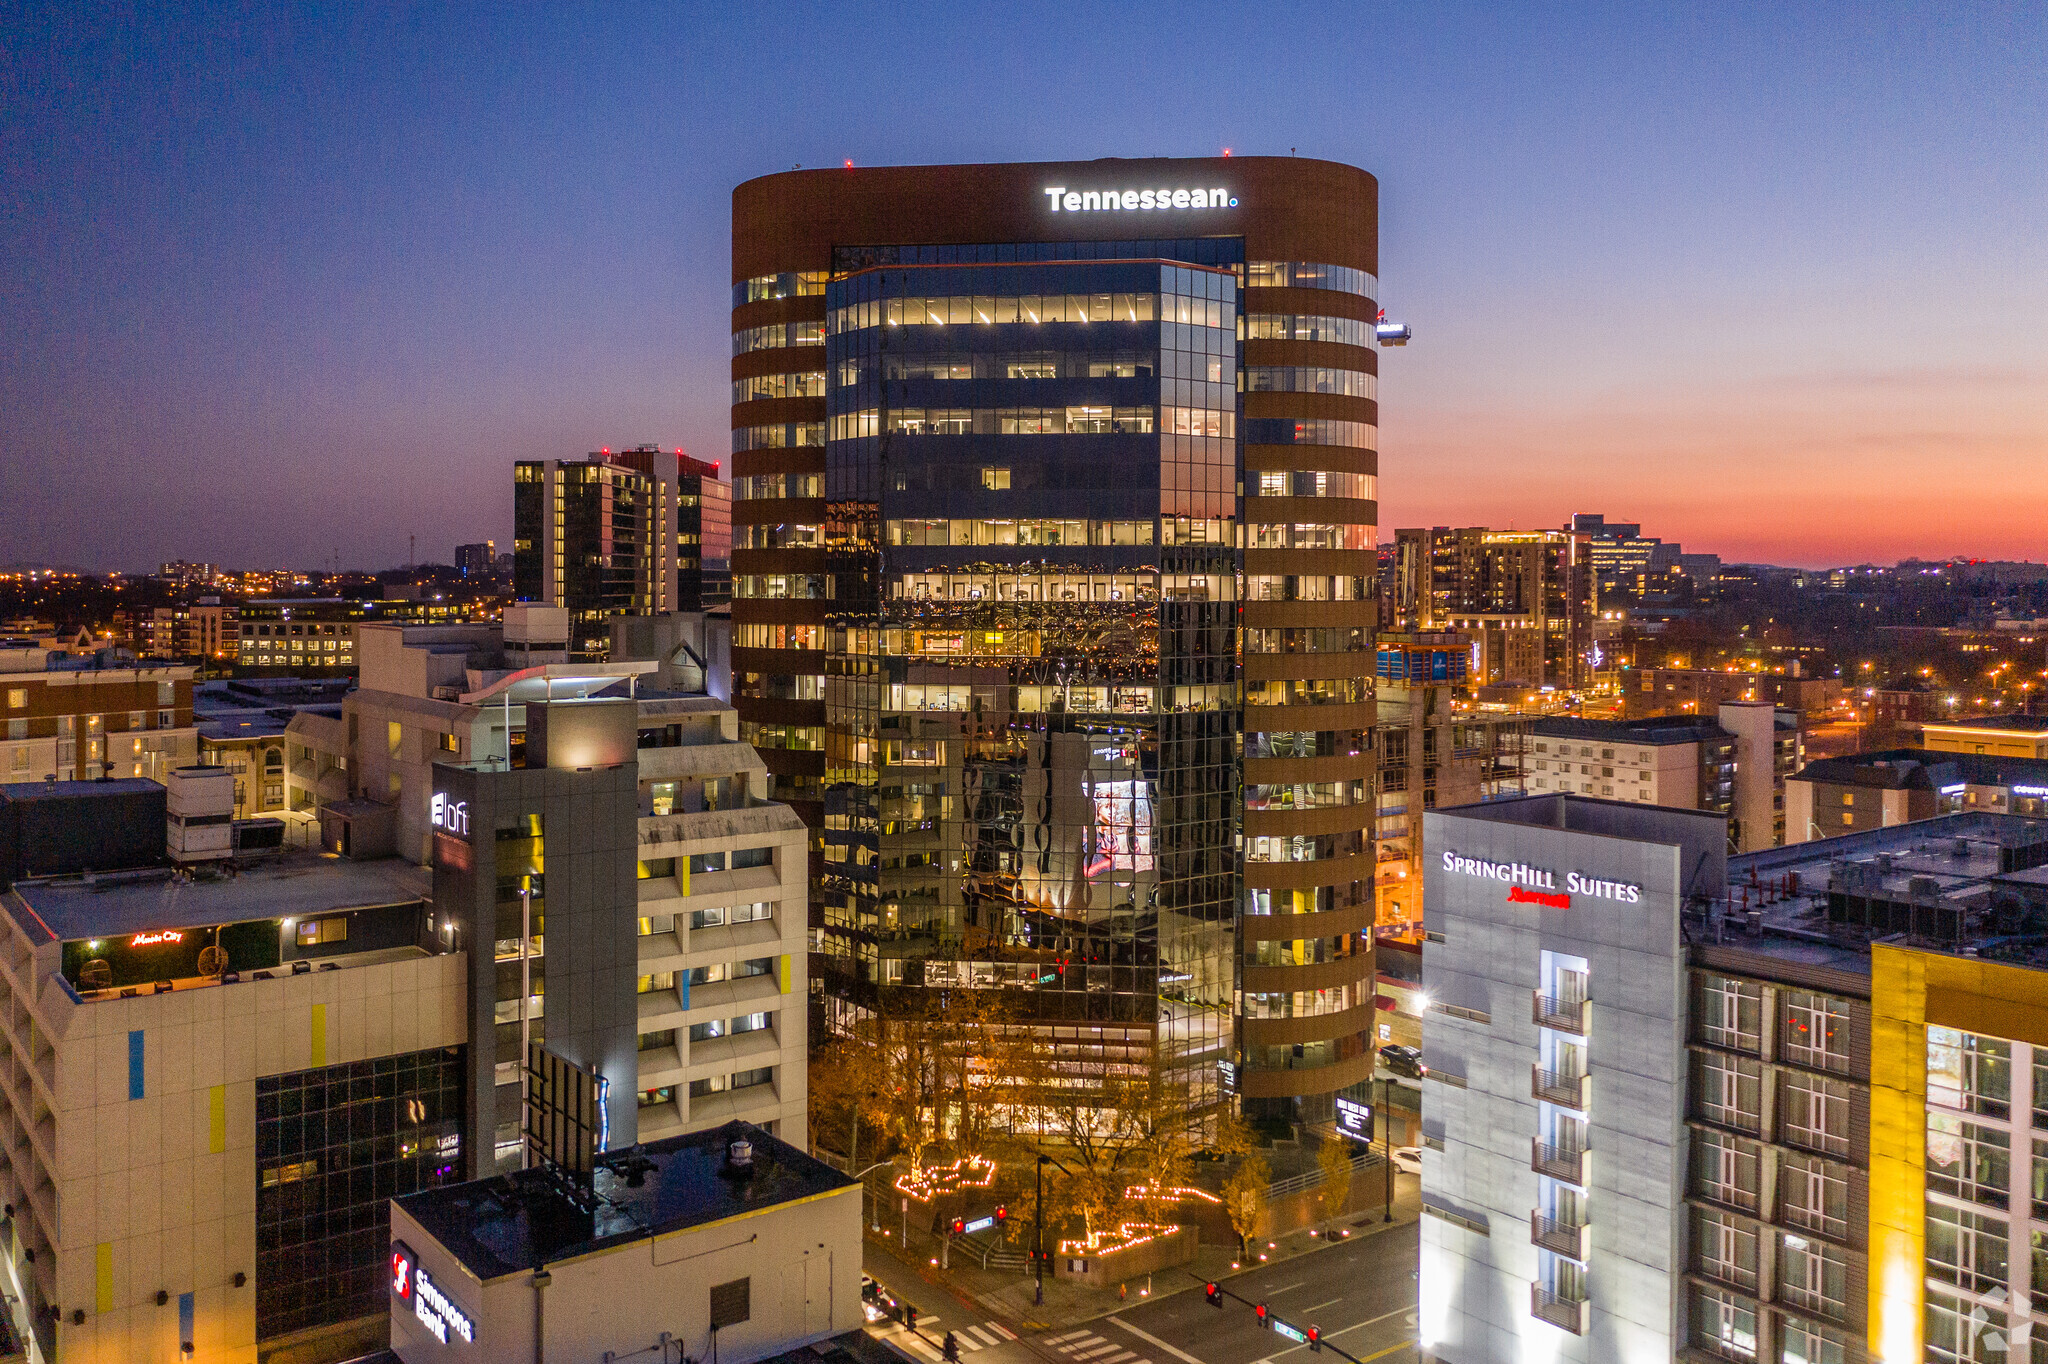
point(1009, 1295)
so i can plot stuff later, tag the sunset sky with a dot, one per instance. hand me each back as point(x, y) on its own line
point(287, 288)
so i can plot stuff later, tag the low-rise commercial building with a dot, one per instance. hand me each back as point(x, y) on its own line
point(727, 1244)
point(1700, 691)
point(1996, 736)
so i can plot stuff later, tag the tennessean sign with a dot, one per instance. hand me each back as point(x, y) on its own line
point(1539, 885)
point(1067, 200)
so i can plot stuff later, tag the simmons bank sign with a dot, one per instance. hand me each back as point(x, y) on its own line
point(1538, 885)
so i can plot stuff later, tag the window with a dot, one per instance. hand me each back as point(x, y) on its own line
point(1730, 1013)
point(704, 862)
point(1722, 1325)
point(995, 477)
point(756, 966)
point(664, 1095)
point(1730, 1092)
point(748, 1079)
point(1814, 1031)
point(1960, 1332)
point(2038, 1270)
point(1968, 1249)
point(651, 924)
point(1724, 1248)
point(1967, 1160)
point(17, 698)
point(313, 932)
point(654, 1041)
point(1969, 1073)
point(1813, 1194)
point(1812, 1275)
point(752, 857)
point(660, 980)
point(1814, 1113)
point(1806, 1343)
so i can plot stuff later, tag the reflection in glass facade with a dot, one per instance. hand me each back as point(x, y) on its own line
point(333, 1147)
point(1031, 735)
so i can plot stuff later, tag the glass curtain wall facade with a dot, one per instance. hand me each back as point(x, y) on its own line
point(994, 612)
point(595, 536)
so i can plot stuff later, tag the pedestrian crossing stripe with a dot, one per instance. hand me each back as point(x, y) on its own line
point(1086, 1346)
point(969, 1337)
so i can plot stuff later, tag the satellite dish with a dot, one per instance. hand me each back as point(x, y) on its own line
point(213, 960)
point(96, 974)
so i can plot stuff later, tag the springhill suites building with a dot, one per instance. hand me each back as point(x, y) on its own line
point(1053, 554)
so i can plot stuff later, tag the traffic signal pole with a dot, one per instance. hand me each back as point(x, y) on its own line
point(1310, 1336)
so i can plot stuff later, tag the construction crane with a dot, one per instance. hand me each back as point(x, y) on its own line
point(1391, 333)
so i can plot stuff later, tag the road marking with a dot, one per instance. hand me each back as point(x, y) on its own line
point(1321, 1305)
point(1102, 1349)
point(1005, 1332)
point(963, 1339)
point(1071, 1335)
point(1382, 1354)
point(1120, 1358)
point(1285, 1288)
point(1372, 1322)
point(919, 1344)
point(987, 1337)
point(1151, 1339)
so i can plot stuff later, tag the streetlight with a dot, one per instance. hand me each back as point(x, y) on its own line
point(1038, 1229)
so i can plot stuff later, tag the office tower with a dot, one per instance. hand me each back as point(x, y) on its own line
point(1526, 598)
point(596, 536)
point(1626, 562)
point(703, 524)
point(1053, 556)
point(478, 560)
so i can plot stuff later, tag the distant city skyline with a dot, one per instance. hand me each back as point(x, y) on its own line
point(291, 286)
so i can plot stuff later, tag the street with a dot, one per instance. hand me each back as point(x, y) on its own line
point(1361, 1293)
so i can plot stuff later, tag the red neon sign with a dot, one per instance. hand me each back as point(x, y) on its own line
point(152, 939)
point(1518, 896)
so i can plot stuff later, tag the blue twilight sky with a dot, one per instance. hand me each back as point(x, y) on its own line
point(286, 284)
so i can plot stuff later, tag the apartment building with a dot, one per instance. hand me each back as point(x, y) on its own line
point(70, 717)
point(1897, 785)
point(597, 537)
point(1736, 764)
point(1525, 598)
point(1700, 691)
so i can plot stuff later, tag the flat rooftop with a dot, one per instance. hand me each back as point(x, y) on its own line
point(77, 790)
point(297, 883)
point(520, 1221)
point(2019, 724)
point(1656, 729)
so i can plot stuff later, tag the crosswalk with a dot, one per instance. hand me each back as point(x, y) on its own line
point(930, 1333)
point(1086, 1347)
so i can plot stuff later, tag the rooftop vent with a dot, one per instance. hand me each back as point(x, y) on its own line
point(739, 1156)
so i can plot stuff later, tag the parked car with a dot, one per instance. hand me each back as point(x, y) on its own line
point(1404, 1061)
point(1408, 1159)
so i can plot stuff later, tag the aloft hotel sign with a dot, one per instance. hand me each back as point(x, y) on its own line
point(1064, 200)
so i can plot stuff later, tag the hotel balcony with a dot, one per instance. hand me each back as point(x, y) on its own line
point(1567, 1313)
point(1560, 1238)
point(1562, 1015)
point(1567, 1089)
point(1567, 1163)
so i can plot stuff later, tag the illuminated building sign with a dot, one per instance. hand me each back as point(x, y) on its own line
point(411, 1283)
point(1066, 200)
point(1354, 1119)
point(451, 815)
point(2027, 790)
point(163, 935)
point(1538, 885)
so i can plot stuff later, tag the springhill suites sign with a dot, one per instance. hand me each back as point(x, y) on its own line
point(1543, 882)
point(1064, 200)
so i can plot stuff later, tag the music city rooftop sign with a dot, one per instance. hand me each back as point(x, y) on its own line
point(1539, 885)
point(1067, 200)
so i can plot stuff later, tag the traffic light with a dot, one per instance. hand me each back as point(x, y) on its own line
point(959, 1226)
point(1002, 1215)
point(1264, 1325)
point(1214, 1292)
point(909, 1316)
point(1315, 1337)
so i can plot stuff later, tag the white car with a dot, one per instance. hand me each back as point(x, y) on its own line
point(1408, 1159)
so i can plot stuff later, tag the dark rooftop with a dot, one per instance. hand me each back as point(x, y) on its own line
point(298, 883)
point(521, 1221)
point(1655, 729)
point(77, 790)
point(1899, 768)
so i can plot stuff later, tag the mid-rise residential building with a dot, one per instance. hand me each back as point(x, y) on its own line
point(1898, 785)
point(1054, 529)
point(301, 634)
point(242, 728)
point(1735, 764)
point(596, 536)
point(1697, 691)
point(66, 717)
point(1525, 598)
point(1433, 755)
